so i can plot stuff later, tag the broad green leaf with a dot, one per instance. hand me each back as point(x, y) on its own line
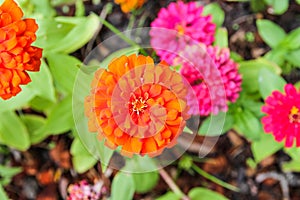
point(265, 147)
point(64, 69)
point(81, 158)
point(257, 5)
point(250, 70)
point(298, 1)
point(3, 195)
point(42, 83)
point(271, 33)
point(122, 187)
point(145, 182)
point(138, 164)
point(217, 13)
point(279, 6)
point(66, 34)
point(95, 147)
point(199, 193)
point(41, 104)
point(7, 173)
point(294, 164)
point(168, 196)
point(85, 31)
point(13, 132)
point(33, 124)
point(294, 58)
point(221, 38)
point(253, 106)
point(292, 40)
point(277, 55)
point(212, 128)
point(247, 124)
point(269, 82)
point(60, 119)
point(18, 101)
point(236, 57)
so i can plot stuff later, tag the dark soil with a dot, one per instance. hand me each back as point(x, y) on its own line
point(47, 172)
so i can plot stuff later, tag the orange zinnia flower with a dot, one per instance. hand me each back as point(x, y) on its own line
point(129, 5)
point(16, 53)
point(137, 105)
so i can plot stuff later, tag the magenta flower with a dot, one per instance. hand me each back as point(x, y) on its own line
point(84, 191)
point(213, 76)
point(178, 25)
point(283, 115)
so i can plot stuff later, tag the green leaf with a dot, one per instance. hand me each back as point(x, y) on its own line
point(294, 58)
point(265, 147)
point(253, 106)
point(298, 1)
point(217, 13)
point(42, 83)
point(139, 164)
point(33, 124)
point(277, 56)
point(145, 182)
point(13, 132)
point(60, 119)
point(250, 71)
point(247, 124)
point(270, 32)
point(3, 195)
point(41, 104)
point(18, 101)
point(292, 40)
point(212, 127)
point(81, 158)
point(66, 34)
point(64, 69)
point(7, 173)
point(294, 164)
point(122, 187)
point(269, 82)
point(221, 38)
point(168, 196)
point(279, 6)
point(257, 5)
point(199, 193)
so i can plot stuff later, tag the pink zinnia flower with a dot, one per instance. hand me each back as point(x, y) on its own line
point(178, 25)
point(83, 190)
point(213, 76)
point(283, 115)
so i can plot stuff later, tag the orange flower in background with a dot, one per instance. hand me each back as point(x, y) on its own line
point(129, 5)
point(137, 105)
point(16, 53)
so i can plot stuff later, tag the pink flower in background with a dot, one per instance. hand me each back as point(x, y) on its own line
point(83, 190)
point(213, 76)
point(178, 25)
point(283, 115)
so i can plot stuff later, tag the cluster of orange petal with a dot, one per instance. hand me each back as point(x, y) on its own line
point(16, 53)
point(129, 5)
point(137, 105)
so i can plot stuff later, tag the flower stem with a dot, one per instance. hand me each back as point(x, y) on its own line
point(121, 35)
point(172, 184)
point(214, 179)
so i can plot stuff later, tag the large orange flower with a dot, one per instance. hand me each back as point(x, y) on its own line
point(137, 105)
point(129, 5)
point(16, 53)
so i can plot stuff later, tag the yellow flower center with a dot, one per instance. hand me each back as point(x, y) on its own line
point(180, 29)
point(139, 105)
point(294, 115)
